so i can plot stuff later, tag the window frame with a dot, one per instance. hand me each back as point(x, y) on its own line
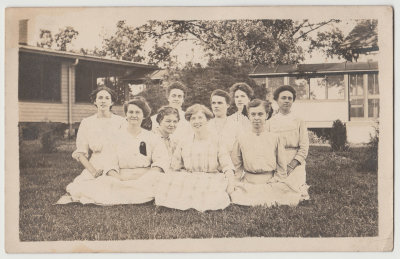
point(286, 81)
point(40, 62)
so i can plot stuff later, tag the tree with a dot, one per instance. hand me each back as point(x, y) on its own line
point(244, 41)
point(125, 44)
point(201, 81)
point(65, 37)
point(46, 39)
point(361, 39)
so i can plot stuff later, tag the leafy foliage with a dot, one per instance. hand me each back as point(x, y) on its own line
point(62, 39)
point(338, 138)
point(246, 41)
point(65, 37)
point(46, 39)
point(370, 160)
point(334, 43)
point(201, 81)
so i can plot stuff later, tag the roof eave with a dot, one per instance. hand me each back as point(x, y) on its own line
point(314, 72)
point(69, 55)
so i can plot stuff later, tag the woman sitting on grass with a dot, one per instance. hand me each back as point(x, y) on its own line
point(294, 135)
point(167, 117)
point(259, 156)
point(133, 161)
point(93, 134)
point(203, 169)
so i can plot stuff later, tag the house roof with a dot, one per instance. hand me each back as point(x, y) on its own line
point(71, 55)
point(264, 70)
point(363, 38)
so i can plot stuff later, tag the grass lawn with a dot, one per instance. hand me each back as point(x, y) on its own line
point(343, 203)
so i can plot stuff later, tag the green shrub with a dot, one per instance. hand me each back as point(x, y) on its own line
point(49, 141)
point(29, 131)
point(338, 137)
point(370, 161)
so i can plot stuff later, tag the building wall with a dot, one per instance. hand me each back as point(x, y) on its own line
point(360, 131)
point(81, 110)
point(47, 111)
point(58, 112)
point(321, 114)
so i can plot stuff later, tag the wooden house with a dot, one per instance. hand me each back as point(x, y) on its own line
point(54, 86)
point(329, 91)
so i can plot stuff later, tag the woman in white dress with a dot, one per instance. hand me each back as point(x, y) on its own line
point(167, 118)
point(259, 156)
point(203, 171)
point(220, 124)
point(294, 135)
point(93, 134)
point(241, 93)
point(132, 162)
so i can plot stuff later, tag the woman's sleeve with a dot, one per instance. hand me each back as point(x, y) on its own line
point(159, 155)
point(224, 159)
point(82, 143)
point(177, 160)
point(281, 164)
point(303, 143)
point(236, 155)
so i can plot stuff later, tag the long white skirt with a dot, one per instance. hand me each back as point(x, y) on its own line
point(200, 191)
point(255, 190)
point(108, 190)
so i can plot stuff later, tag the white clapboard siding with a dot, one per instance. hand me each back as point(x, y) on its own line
point(310, 112)
point(80, 111)
point(42, 112)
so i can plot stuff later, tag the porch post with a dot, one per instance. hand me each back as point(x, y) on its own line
point(71, 69)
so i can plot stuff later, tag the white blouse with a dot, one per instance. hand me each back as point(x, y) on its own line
point(93, 134)
point(144, 150)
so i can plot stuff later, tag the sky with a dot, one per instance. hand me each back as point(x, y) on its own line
point(92, 23)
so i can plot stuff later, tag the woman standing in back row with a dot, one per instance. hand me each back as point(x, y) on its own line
point(241, 94)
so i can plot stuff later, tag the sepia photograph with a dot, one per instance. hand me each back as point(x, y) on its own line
point(199, 129)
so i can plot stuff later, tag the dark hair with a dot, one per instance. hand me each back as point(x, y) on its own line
point(195, 108)
point(176, 85)
point(164, 111)
point(242, 87)
point(93, 94)
point(140, 102)
point(265, 104)
point(283, 88)
point(221, 93)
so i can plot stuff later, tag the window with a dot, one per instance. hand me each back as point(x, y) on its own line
point(364, 96)
point(373, 108)
point(275, 82)
point(373, 96)
point(39, 78)
point(357, 108)
point(90, 76)
point(302, 87)
point(329, 87)
point(84, 83)
point(335, 87)
point(356, 85)
point(318, 88)
point(373, 85)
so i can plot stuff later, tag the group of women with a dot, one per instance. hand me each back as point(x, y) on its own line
point(256, 156)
